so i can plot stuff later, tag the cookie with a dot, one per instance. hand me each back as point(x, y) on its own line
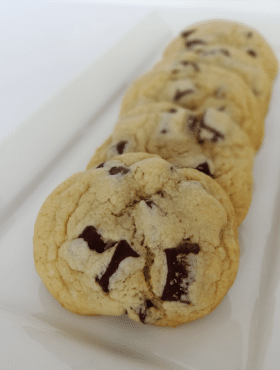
point(246, 39)
point(229, 58)
point(209, 87)
point(138, 236)
point(209, 142)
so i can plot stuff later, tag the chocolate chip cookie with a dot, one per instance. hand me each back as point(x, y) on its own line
point(137, 235)
point(229, 58)
point(209, 142)
point(210, 86)
point(201, 35)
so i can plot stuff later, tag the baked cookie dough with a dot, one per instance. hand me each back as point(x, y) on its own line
point(227, 33)
point(209, 142)
point(229, 58)
point(208, 87)
point(138, 236)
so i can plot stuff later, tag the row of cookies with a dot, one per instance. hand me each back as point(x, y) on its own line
point(150, 228)
point(202, 106)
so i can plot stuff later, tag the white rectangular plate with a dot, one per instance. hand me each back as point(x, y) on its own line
point(36, 332)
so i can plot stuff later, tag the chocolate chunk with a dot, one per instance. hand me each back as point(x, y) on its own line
point(179, 94)
point(191, 43)
point(94, 241)
point(164, 131)
point(252, 53)
point(123, 251)
point(100, 165)
point(143, 310)
point(193, 64)
point(178, 279)
point(150, 203)
point(225, 52)
point(203, 167)
point(216, 134)
point(249, 34)
point(192, 122)
point(120, 169)
point(197, 124)
point(187, 33)
point(172, 110)
point(120, 146)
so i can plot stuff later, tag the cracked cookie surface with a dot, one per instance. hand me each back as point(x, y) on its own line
point(208, 141)
point(211, 86)
point(138, 236)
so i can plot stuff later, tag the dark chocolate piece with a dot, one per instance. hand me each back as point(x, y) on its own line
point(164, 131)
point(252, 53)
point(225, 52)
point(120, 169)
point(193, 64)
point(123, 251)
point(100, 165)
point(94, 241)
point(187, 33)
point(143, 310)
point(197, 124)
point(150, 203)
point(178, 281)
point(120, 146)
point(191, 43)
point(192, 122)
point(172, 110)
point(203, 167)
point(179, 94)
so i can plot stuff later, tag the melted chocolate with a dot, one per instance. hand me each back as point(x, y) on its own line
point(121, 146)
point(100, 165)
point(191, 122)
point(203, 167)
point(94, 241)
point(252, 53)
point(123, 251)
point(225, 52)
point(150, 203)
point(143, 310)
point(197, 124)
point(193, 64)
point(191, 43)
point(187, 33)
point(179, 94)
point(120, 169)
point(177, 284)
